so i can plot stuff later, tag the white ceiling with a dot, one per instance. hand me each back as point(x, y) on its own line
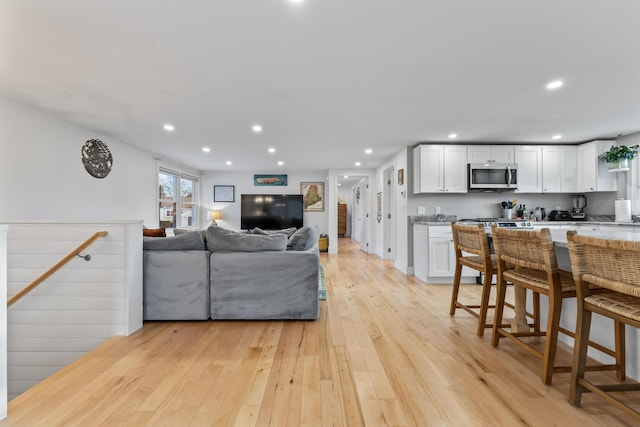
point(325, 78)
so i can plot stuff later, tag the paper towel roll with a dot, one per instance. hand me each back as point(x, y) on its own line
point(623, 210)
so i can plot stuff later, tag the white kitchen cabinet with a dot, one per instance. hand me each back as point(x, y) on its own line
point(442, 254)
point(559, 169)
point(439, 169)
point(490, 153)
point(529, 161)
point(594, 175)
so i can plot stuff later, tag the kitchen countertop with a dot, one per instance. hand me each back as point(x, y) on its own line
point(448, 219)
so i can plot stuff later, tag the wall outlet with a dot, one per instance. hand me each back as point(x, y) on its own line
point(422, 210)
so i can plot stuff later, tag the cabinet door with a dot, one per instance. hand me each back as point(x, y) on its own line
point(551, 169)
point(428, 169)
point(594, 175)
point(455, 168)
point(503, 153)
point(479, 153)
point(442, 257)
point(529, 160)
point(568, 168)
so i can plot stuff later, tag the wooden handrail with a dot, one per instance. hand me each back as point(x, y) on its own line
point(56, 267)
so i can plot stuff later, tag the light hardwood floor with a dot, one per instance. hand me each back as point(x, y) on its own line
point(384, 352)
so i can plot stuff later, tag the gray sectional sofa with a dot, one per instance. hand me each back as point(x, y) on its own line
point(223, 274)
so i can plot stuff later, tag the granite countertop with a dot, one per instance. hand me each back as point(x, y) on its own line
point(592, 220)
point(432, 219)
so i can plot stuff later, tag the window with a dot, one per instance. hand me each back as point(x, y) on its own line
point(177, 199)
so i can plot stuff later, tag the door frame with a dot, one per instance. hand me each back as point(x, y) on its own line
point(333, 204)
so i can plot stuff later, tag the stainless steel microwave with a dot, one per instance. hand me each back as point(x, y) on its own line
point(493, 176)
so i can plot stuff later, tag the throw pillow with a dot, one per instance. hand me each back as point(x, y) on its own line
point(178, 231)
point(287, 231)
point(222, 240)
point(303, 239)
point(190, 241)
point(154, 232)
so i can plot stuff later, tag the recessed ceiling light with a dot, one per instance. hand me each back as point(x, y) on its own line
point(256, 128)
point(357, 163)
point(168, 127)
point(346, 176)
point(555, 84)
point(368, 151)
point(556, 137)
point(280, 163)
point(206, 149)
point(228, 163)
point(453, 135)
point(272, 150)
point(339, 184)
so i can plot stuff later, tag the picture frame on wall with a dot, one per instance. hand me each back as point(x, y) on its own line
point(400, 176)
point(260, 180)
point(312, 196)
point(224, 193)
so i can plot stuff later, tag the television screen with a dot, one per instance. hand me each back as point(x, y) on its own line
point(270, 211)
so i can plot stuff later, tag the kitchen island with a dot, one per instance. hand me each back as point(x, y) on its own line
point(601, 328)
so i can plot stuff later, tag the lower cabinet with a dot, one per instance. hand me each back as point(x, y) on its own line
point(442, 254)
point(434, 256)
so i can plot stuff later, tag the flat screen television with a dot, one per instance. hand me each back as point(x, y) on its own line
point(270, 211)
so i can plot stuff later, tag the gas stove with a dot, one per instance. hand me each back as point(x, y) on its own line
point(501, 222)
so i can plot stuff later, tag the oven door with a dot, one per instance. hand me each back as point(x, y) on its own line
point(493, 176)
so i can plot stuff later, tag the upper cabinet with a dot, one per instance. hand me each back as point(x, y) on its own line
point(529, 161)
point(439, 169)
point(593, 175)
point(559, 169)
point(491, 153)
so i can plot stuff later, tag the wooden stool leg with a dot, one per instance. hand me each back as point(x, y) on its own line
point(579, 362)
point(497, 316)
point(551, 340)
point(621, 357)
point(456, 288)
point(484, 303)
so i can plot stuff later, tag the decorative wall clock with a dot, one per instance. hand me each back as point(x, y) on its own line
point(97, 158)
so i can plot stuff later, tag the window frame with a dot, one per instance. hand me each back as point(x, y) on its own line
point(178, 203)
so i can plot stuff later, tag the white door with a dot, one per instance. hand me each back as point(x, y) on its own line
point(388, 215)
point(364, 216)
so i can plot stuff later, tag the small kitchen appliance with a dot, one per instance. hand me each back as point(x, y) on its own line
point(579, 203)
point(559, 215)
point(492, 176)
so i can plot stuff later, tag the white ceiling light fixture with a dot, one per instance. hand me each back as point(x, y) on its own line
point(453, 135)
point(169, 127)
point(556, 137)
point(256, 128)
point(228, 163)
point(206, 149)
point(357, 163)
point(296, 1)
point(271, 150)
point(339, 184)
point(280, 163)
point(555, 84)
point(368, 151)
point(346, 176)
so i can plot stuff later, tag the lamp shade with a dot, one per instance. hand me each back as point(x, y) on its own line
point(215, 214)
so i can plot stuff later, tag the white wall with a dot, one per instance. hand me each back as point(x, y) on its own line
point(43, 176)
point(243, 182)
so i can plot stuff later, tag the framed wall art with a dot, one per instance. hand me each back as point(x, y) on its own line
point(400, 176)
point(224, 193)
point(259, 180)
point(312, 196)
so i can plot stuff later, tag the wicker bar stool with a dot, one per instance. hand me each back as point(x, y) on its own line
point(473, 239)
point(535, 267)
point(613, 265)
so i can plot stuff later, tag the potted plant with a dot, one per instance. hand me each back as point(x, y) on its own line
point(618, 156)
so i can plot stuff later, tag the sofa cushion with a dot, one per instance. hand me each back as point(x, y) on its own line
point(154, 232)
point(183, 242)
point(222, 240)
point(303, 239)
point(178, 231)
point(287, 231)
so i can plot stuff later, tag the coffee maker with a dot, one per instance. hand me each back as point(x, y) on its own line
point(579, 203)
